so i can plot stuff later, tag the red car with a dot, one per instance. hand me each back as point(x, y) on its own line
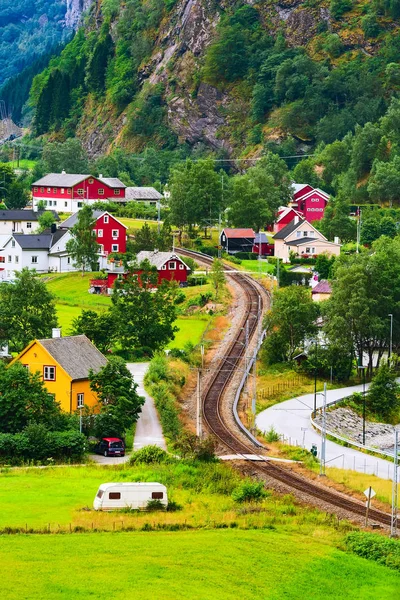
point(110, 447)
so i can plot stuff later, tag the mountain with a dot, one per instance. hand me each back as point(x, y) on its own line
point(228, 76)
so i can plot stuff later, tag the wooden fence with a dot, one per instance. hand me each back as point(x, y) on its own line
point(282, 386)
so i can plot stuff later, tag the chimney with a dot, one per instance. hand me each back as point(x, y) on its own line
point(101, 176)
point(336, 240)
point(56, 332)
point(63, 172)
point(53, 227)
point(296, 220)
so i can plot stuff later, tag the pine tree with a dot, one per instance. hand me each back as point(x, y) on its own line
point(83, 246)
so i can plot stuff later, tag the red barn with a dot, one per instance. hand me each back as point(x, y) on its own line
point(110, 232)
point(309, 202)
point(266, 249)
point(68, 192)
point(169, 266)
point(286, 216)
point(300, 190)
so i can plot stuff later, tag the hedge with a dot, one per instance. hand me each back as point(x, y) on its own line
point(36, 443)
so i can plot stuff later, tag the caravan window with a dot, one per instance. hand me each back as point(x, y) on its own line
point(100, 494)
point(114, 496)
point(157, 495)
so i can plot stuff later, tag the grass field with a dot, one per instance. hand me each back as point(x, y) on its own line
point(133, 224)
point(191, 330)
point(254, 266)
point(24, 164)
point(205, 565)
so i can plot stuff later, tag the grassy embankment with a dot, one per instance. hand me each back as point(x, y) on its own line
point(275, 549)
point(71, 292)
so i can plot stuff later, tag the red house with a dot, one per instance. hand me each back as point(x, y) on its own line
point(266, 248)
point(286, 216)
point(67, 192)
point(110, 233)
point(169, 266)
point(309, 202)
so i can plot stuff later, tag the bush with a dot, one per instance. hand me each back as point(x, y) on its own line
point(154, 505)
point(383, 395)
point(192, 447)
point(271, 435)
point(149, 455)
point(249, 491)
point(375, 547)
point(246, 255)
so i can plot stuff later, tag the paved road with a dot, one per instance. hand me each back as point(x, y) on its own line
point(292, 417)
point(148, 428)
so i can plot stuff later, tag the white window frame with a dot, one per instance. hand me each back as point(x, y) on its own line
point(101, 191)
point(9, 258)
point(115, 234)
point(164, 268)
point(80, 400)
point(49, 373)
point(181, 266)
point(80, 192)
point(16, 259)
point(65, 204)
point(34, 259)
point(63, 190)
point(298, 234)
point(114, 247)
point(172, 262)
point(106, 219)
point(29, 225)
point(99, 233)
point(117, 191)
point(12, 243)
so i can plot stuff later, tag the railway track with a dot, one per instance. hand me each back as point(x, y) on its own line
point(231, 439)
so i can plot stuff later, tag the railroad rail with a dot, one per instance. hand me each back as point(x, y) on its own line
point(228, 437)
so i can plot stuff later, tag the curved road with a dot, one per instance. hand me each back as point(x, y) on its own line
point(292, 420)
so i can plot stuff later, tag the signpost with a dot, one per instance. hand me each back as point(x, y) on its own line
point(369, 494)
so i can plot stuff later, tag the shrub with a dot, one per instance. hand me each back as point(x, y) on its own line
point(249, 491)
point(246, 255)
point(192, 447)
point(149, 455)
point(154, 505)
point(374, 547)
point(271, 435)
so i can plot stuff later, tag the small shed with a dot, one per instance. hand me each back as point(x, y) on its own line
point(322, 291)
point(237, 240)
point(266, 249)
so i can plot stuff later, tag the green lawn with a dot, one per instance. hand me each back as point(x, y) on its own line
point(205, 565)
point(191, 330)
point(137, 223)
point(254, 266)
point(24, 164)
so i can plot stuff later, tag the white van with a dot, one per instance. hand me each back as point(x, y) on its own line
point(115, 496)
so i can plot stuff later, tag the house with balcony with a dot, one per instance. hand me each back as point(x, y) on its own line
point(302, 238)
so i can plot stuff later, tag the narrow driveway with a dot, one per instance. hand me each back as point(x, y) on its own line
point(292, 420)
point(148, 428)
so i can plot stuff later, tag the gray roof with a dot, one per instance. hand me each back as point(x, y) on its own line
point(288, 229)
point(72, 220)
point(75, 354)
point(261, 237)
point(34, 242)
point(157, 259)
point(61, 179)
point(301, 241)
point(112, 182)
point(142, 193)
point(23, 215)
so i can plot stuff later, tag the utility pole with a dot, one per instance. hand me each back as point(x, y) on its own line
point(199, 407)
point(315, 376)
point(323, 440)
point(158, 216)
point(254, 399)
point(391, 337)
point(219, 234)
point(358, 229)
point(393, 523)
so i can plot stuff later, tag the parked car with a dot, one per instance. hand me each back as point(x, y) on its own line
point(110, 447)
point(114, 496)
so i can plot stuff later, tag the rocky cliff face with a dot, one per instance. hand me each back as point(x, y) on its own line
point(75, 8)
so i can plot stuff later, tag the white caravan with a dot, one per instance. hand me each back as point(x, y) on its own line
point(116, 496)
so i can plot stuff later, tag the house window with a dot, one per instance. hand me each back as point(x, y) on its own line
point(116, 192)
point(106, 219)
point(157, 495)
point(49, 373)
point(65, 204)
point(164, 268)
point(54, 190)
point(9, 258)
point(307, 250)
point(48, 190)
point(114, 495)
point(115, 234)
point(34, 260)
point(35, 189)
point(100, 248)
point(63, 190)
point(298, 234)
point(99, 233)
point(90, 180)
point(172, 265)
point(80, 204)
point(305, 233)
point(68, 190)
point(312, 250)
point(54, 202)
point(114, 248)
point(16, 259)
point(12, 243)
point(29, 225)
point(42, 189)
point(181, 266)
point(2, 259)
point(80, 191)
point(80, 400)
point(101, 191)
point(68, 260)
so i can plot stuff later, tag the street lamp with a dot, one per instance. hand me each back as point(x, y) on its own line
point(323, 433)
point(363, 370)
point(315, 375)
point(391, 336)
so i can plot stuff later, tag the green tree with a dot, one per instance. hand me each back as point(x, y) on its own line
point(27, 310)
point(383, 397)
point(83, 246)
point(46, 220)
point(145, 239)
point(256, 196)
point(66, 156)
point(384, 184)
point(196, 194)
point(336, 222)
point(217, 276)
point(98, 327)
point(16, 195)
point(324, 265)
point(339, 7)
point(24, 399)
point(286, 326)
point(120, 404)
point(97, 64)
point(144, 318)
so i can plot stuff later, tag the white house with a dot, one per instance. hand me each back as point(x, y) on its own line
point(300, 237)
point(19, 221)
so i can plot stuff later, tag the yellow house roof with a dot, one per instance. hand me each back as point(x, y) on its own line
point(76, 355)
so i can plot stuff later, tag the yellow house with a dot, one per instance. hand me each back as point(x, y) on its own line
point(64, 364)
